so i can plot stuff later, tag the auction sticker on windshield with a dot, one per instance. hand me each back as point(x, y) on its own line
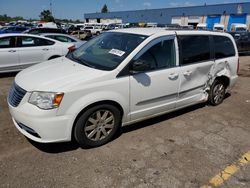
point(117, 52)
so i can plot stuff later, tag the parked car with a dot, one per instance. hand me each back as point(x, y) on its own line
point(82, 35)
point(121, 77)
point(64, 38)
point(218, 27)
point(13, 29)
point(44, 30)
point(201, 26)
point(94, 30)
point(242, 40)
point(238, 27)
point(19, 51)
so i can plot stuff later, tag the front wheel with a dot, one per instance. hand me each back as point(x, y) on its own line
point(97, 125)
point(217, 93)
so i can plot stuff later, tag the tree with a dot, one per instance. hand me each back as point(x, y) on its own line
point(105, 9)
point(46, 15)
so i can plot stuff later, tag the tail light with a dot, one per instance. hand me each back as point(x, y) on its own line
point(238, 66)
point(72, 48)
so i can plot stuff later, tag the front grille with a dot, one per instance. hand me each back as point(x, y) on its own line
point(16, 94)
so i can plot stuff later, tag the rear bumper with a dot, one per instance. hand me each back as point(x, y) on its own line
point(232, 83)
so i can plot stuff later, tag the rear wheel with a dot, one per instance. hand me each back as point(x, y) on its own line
point(217, 93)
point(97, 125)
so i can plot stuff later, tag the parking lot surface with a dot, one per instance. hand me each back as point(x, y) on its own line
point(200, 146)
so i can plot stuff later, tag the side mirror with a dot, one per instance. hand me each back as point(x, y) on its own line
point(138, 66)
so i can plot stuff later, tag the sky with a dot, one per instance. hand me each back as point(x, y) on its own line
point(75, 9)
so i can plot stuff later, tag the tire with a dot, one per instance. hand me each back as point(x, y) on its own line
point(217, 93)
point(97, 33)
point(92, 125)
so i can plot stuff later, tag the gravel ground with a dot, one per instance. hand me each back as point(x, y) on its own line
point(182, 149)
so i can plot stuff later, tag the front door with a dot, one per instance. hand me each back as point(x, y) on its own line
point(154, 91)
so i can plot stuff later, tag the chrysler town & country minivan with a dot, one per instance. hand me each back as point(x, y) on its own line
point(118, 78)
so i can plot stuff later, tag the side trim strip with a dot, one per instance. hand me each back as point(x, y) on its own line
point(162, 98)
point(157, 99)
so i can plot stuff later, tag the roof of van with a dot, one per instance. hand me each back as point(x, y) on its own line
point(164, 31)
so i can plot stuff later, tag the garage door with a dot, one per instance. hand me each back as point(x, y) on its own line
point(211, 20)
point(193, 19)
point(236, 19)
point(176, 20)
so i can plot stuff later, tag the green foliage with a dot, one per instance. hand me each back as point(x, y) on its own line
point(46, 15)
point(105, 9)
point(5, 18)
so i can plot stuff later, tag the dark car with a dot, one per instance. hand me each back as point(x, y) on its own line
point(242, 40)
point(13, 29)
point(45, 30)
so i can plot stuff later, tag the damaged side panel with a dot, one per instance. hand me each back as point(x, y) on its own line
point(193, 83)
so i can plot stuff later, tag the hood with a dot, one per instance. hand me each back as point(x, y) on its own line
point(56, 75)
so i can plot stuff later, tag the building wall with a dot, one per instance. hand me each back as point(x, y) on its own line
point(164, 16)
point(181, 15)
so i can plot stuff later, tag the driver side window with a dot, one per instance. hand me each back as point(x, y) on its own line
point(160, 56)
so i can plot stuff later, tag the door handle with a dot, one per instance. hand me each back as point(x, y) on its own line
point(187, 73)
point(12, 51)
point(45, 49)
point(173, 76)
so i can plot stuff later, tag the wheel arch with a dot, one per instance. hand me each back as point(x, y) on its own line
point(53, 57)
point(111, 102)
point(224, 79)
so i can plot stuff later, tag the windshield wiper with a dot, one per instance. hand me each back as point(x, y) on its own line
point(85, 63)
point(72, 57)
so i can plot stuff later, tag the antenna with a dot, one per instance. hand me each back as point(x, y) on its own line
point(50, 5)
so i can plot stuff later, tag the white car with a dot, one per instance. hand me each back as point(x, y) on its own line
point(64, 38)
point(94, 30)
point(238, 27)
point(118, 78)
point(218, 27)
point(19, 51)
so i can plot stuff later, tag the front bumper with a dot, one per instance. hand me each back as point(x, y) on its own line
point(41, 125)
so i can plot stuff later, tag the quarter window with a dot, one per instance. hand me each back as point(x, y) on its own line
point(223, 47)
point(194, 49)
point(64, 39)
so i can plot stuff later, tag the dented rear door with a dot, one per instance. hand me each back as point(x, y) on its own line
point(196, 61)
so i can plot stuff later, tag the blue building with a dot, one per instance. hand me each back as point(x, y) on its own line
point(225, 14)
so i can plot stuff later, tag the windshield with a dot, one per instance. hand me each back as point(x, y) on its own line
point(240, 29)
point(107, 50)
point(219, 28)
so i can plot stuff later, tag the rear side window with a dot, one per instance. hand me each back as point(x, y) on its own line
point(223, 47)
point(64, 39)
point(195, 48)
point(33, 41)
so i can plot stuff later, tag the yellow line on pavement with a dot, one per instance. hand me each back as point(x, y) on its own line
point(225, 174)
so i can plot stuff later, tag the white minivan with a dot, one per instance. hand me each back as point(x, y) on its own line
point(119, 78)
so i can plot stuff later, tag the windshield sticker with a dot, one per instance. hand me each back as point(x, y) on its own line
point(117, 52)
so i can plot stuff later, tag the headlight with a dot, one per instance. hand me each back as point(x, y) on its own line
point(46, 100)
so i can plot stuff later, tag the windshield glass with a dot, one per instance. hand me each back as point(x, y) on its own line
point(107, 50)
point(240, 29)
point(219, 28)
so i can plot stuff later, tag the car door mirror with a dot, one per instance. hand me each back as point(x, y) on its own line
point(139, 65)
